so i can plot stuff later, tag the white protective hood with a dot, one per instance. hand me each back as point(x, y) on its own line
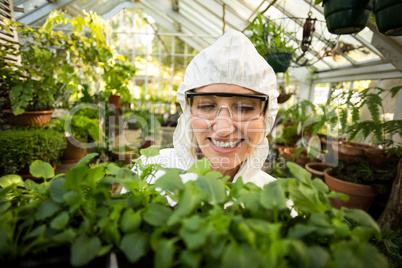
point(232, 59)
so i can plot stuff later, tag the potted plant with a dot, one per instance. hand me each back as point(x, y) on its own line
point(387, 16)
point(21, 146)
point(41, 81)
point(346, 17)
point(272, 43)
point(79, 129)
point(149, 124)
point(360, 181)
point(383, 130)
point(117, 72)
point(126, 153)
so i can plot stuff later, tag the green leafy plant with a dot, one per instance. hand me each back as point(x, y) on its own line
point(268, 37)
point(21, 146)
point(82, 127)
point(383, 129)
point(214, 222)
point(42, 80)
point(55, 64)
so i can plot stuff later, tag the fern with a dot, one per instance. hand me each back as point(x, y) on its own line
point(373, 102)
point(395, 90)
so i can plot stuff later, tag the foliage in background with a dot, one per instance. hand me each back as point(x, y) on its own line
point(382, 130)
point(214, 222)
point(57, 65)
point(21, 146)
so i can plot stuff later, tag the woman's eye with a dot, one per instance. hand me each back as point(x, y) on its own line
point(245, 109)
point(206, 107)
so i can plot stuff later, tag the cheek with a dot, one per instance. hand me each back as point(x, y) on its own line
point(199, 126)
point(253, 131)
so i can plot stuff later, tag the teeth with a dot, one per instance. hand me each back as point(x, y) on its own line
point(225, 144)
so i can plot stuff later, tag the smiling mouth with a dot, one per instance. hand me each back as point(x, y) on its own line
point(226, 144)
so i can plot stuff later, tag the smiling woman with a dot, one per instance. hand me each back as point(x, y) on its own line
point(229, 103)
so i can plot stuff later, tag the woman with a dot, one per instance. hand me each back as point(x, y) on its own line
point(229, 103)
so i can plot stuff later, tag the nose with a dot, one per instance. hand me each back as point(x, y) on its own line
point(223, 123)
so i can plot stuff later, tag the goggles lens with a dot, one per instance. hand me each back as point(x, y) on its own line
point(241, 107)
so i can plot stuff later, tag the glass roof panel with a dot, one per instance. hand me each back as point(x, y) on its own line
point(30, 6)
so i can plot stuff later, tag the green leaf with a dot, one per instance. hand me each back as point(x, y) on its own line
point(273, 196)
point(47, 209)
point(40, 169)
point(150, 151)
point(37, 231)
point(65, 236)
point(214, 189)
point(56, 190)
point(188, 202)
point(300, 230)
point(86, 159)
point(84, 249)
point(11, 179)
point(60, 221)
point(171, 181)
point(75, 177)
point(164, 253)
point(240, 256)
point(157, 215)
point(135, 245)
point(317, 256)
point(112, 169)
point(363, 219)
point(306, 198)
point(193, 233)
point(201, 167)
point(299, 173)
point(130, 220)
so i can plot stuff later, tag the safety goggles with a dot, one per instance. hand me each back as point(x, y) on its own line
point(241, 107)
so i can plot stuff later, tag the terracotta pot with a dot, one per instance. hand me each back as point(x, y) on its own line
point(377, 157)
point(72, 153)
point(146, 143)
point(349, 152)
point(115, 100)
point(317, 169)
point(302, 159)
point(124, 157)
point(360, 196)
point(29, 118)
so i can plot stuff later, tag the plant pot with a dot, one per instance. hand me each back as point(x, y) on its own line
point(388, 16)
point(351, 151)
point(283, 97)
point(146, 143)
point(302, 159)
point(29, 118)
point(115, 100)
point(377, 157)
point(166, 136)
point(279, 61)
point(317, 169)
point(360, 196)
point(347, 16)
point(72, 153)
point(124, 157)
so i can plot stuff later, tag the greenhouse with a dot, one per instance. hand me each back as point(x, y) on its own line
point(189, 133)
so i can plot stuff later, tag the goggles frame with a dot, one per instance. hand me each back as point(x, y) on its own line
point(261, 97)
